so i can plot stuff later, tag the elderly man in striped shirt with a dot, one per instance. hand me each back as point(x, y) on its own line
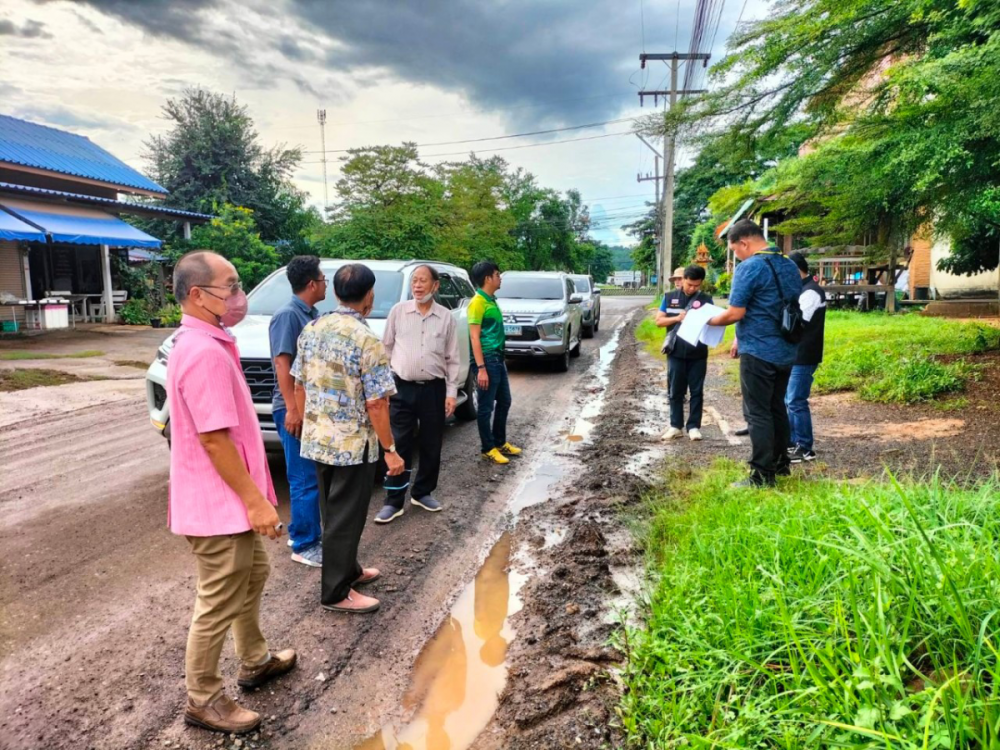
point(422, 343)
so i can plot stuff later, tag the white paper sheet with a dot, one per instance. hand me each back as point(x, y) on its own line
point(695, 329)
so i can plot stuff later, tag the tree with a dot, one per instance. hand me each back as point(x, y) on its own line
point(212, 155)
point(233, 235)
point(645, 231)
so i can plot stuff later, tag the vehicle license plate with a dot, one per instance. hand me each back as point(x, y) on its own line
point(512, 330)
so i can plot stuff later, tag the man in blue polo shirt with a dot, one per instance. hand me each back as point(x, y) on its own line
point(308, 290)
point(762, 281)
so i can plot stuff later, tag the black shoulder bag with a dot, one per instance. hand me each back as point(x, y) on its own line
point(791, 324)
point(670, 343)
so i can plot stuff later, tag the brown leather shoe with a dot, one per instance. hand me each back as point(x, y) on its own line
point(368, 575)
point(355, 604)
point(222, 715)
point(279, 664)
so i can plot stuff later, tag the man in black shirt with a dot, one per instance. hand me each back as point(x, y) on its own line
point(686, 364)
point(812, 301)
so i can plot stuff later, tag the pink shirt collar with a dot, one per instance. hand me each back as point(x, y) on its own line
point(221, 333)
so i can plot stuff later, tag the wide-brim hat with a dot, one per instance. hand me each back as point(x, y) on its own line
point(678, 273)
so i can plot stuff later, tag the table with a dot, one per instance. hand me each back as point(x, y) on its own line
point(36, 312)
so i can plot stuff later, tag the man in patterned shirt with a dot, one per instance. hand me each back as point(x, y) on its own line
point(342, 389)
point(486, 337)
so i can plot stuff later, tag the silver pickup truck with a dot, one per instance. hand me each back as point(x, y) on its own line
point(542, 316)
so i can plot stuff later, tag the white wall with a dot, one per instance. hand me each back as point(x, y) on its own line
point(948, 285)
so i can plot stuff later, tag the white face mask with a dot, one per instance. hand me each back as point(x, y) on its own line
point(425, 300)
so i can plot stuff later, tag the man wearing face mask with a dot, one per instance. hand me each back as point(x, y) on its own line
point(308, 289)
point(342, 387)
point(221, 496)
point(422, 342)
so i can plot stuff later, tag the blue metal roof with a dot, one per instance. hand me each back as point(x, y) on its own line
point(12, 228)
point(119, 205)
point(32, 145)
point(79, 226)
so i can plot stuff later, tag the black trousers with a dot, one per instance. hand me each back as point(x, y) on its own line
point(413, 406)
point(682, 375)
point(763, 386)
point(344, 492)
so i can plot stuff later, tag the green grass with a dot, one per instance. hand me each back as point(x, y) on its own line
point(13, 355)
point(885, 358)
point(22, 379)
point(894, 358)
point(823, 614)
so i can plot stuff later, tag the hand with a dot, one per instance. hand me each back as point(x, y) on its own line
point(264, 518)
point(483, 379)
point(449, 406)
point(395, 464)
point(293, 423)
point(734, 350)
point(680, 316)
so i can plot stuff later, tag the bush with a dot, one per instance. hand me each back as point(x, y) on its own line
point(170, 315)
point(135, 312)
point(724, 284)
point(822, 615)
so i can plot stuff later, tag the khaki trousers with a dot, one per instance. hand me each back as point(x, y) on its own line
point(231, 575)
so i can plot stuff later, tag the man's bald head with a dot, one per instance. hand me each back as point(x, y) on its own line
point(198, 268)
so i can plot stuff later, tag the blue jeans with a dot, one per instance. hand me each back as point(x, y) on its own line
point(797, 403)
point(498, 393)
point(303, 490)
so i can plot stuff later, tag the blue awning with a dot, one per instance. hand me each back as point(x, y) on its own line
point(12, 228)
point(79, 226)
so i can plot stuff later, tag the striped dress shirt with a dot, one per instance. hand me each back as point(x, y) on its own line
point(423, 347)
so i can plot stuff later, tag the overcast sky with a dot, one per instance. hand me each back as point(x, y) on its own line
point(386, 71)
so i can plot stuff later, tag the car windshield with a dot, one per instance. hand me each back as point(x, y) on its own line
point(582, 283)
point(276, 291)
point(531, 287)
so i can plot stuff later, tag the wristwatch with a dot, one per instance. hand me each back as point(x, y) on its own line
point(391, 448)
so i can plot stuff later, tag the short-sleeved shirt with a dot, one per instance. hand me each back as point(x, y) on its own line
point(341, 364)
point(676, 302)
point(484, 311)
point(759, 333)
point(207, 392)
point(283, 330)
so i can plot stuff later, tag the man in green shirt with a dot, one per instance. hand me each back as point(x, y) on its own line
point(486, 334)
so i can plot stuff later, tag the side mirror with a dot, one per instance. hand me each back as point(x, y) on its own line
point(597, 290)
point(575, 299)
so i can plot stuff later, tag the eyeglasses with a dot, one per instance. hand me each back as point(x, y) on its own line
point(233, 288)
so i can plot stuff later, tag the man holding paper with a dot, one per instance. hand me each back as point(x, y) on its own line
point(687, 362)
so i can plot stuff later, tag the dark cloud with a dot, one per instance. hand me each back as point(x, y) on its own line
point(539, 63)
point(30, 30)
point(63, 117)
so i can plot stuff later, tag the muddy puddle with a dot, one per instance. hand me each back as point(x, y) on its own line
point(602, 373)
point(460, 673)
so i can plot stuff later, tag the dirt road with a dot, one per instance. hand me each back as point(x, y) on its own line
point(96, 595)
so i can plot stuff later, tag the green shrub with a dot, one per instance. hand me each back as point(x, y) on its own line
point(170, 315)
point(821, 615)
point(724, 284)
point(135, 312)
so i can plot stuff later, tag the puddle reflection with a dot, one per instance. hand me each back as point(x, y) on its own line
point(459, 674)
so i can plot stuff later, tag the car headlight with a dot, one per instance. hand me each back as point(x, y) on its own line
point(164, 351)
point(552, 328)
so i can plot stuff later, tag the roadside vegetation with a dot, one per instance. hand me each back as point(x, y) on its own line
point(22, 379)
point(822, 614)
point(906, 358)
point(15, 355)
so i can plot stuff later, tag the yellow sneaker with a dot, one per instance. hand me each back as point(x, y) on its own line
point(496, 457)
point(509, 449)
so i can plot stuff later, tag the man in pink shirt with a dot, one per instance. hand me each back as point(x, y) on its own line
point(221, 496)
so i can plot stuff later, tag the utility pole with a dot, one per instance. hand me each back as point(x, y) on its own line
point(321, 118)
point(656, 181)
point(673, 59)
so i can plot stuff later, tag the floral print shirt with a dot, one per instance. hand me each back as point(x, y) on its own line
point(341, 363)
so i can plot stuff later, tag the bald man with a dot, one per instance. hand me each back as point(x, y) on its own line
point(221, 496)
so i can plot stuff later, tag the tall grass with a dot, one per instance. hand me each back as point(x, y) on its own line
point(821, 615)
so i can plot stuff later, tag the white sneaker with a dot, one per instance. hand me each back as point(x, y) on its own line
point(290, 542)
point(313, 557)
point(695, 434)
point(672, 433)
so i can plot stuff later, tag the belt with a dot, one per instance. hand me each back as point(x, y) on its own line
point(419, 382)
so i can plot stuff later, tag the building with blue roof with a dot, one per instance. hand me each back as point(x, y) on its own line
point(61, 201)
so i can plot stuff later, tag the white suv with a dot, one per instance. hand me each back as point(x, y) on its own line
point(392, 285)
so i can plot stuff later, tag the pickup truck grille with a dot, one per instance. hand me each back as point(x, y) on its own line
point(511, 319)
point(528, 333)
point(259, 374)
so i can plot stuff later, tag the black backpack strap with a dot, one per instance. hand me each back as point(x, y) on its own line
point(777, 282)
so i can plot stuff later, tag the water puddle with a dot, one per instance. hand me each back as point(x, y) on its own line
point(459, 674)
point(534, 488)
point(642, 462)
point(602, 372)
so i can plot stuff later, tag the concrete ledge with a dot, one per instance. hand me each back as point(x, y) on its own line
point(963, 308)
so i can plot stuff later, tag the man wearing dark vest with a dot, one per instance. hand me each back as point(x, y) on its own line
point(812, 301)
point(686, 363)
